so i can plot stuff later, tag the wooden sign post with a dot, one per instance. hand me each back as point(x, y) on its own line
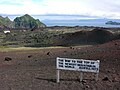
point(58, 76)
point(77, 65)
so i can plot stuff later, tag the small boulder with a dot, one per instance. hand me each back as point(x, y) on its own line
point(108, 71)
point(87, 86)
point(84, 81)
point(35, 60)
point(8, 59)
point(72, 48)
point(65, 51)
point(29, 56)
point(48, 53)
point(105, 79)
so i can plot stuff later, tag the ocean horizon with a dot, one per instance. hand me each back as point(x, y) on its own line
point(82, 22)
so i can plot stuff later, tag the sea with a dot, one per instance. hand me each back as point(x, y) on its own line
point(83, 22)
point(71, 20)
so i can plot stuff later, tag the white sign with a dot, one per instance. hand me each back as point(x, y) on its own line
point(78, 65)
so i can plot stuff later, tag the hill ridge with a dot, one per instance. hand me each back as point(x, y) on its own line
point(26, 21)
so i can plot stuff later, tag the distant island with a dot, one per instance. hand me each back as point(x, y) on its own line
point(112, 23)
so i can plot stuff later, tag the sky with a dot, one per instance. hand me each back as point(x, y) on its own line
point(100, 8)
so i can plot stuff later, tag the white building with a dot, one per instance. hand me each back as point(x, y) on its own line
point(7, 31)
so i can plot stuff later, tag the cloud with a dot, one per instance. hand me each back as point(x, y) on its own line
point(21, 7)
point(12, 2)
point(101, 8)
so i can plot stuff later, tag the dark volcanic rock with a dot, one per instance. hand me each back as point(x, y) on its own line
point(48, 53)
point(105, 79)
point(29, 56)
point(8, 59)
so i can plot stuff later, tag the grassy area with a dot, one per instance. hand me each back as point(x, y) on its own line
point(7, 49)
